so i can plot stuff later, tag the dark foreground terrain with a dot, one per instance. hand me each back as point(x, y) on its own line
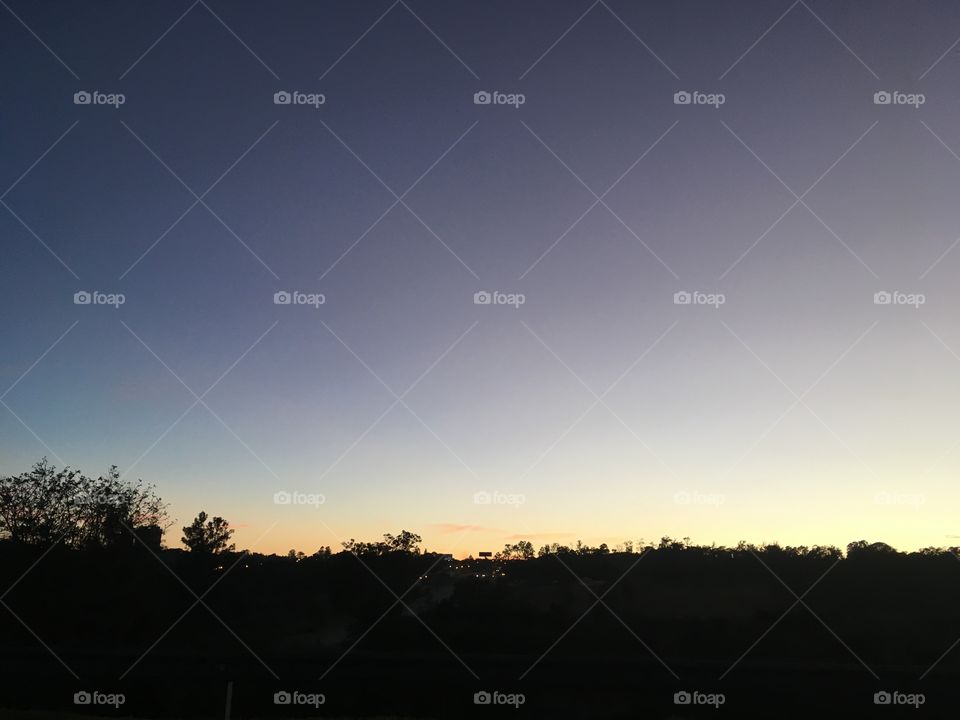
point(749, 631)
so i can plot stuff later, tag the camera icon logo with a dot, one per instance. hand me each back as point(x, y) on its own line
point(882, 97)
point(482, 98)
point(282, 297)
point(282, 698)
point(82, 698)
point(882, 298)
point(82, 98)
point(282, 98)
point(682, 298)
point(682, 698)
point(282, 498)
point(482, 498)
point(482, 297)
point(482, 698)
point(882, 698)
point(682, 98)
point(82, 298)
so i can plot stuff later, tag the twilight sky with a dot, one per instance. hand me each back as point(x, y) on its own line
point(799, 410)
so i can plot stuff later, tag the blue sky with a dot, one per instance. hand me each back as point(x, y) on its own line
point(798, 410)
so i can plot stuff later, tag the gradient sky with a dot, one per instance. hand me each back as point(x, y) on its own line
point(798, 412)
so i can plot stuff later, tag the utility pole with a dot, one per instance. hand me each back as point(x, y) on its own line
point(226, 711)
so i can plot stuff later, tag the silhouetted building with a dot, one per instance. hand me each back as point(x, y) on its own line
point(151, 535)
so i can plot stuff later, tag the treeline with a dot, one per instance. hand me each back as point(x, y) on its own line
point(377, 608)
point(47, 505)
point(691, 604)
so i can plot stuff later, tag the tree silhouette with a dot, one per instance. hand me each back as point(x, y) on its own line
point(45, 505)
point(406, 541)
point(110, 509)
point(37, 507)
point(522, 550)
point(208, 536)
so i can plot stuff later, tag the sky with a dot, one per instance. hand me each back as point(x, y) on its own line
point(787, 401)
